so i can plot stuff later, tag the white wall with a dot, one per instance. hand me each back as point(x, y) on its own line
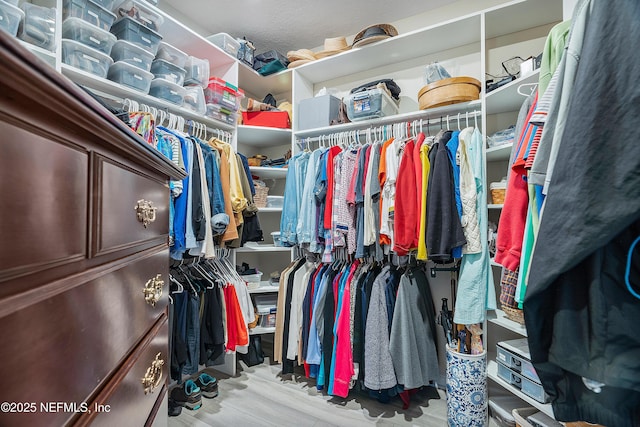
point(567, 8)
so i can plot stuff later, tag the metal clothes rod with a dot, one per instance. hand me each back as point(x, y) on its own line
point(410, 126)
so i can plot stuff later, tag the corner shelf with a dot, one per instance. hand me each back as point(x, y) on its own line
point(262, 248)
point(258, 85)
point(258, 136)
point(265, 288)
point(260, 330)
point(268, 173)
point(502, 320)
point(501, 152)
point(507, 98)
point(492, 373)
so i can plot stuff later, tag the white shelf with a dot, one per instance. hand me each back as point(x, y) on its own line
point(263, 210)
point(433, 114)
point(408, 46)
point(265, 288)
point(260, 330)
point(492, 372)
point(262, 248)
point(494, 264)
point(252, 82)
point(520, 15)
point(44, 54)
point(107, 87)
point(257, 136)
point(502, 320)
point(501, 152)
point(192, 43)
point(492, 206)
point(268, 173)
point(507, 98)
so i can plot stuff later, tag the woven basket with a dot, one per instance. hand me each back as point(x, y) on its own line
point(260, 199)
point(497, 195)
point(448, 91)
point(514, 314)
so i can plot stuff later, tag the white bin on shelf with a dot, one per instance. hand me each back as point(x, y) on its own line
point(467, 400)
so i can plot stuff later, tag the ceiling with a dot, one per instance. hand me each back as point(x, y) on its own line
point(286, 25)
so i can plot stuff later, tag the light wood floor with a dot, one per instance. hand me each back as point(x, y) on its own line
point(260, 396)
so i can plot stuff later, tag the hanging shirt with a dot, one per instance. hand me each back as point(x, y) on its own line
point(231, 232)
point(306, 226)
point(426, 167)
point(332, 153)
point(468, 195)
point(382, 179)
point(405, 230)
point(345, 221)
point(392, 158)
point(369, 223)
point(452, 150)
point(476, 291)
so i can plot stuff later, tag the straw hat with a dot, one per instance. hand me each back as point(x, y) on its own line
point(333, 46)
point(299, 62)
point(373, 34)
point(301, 54)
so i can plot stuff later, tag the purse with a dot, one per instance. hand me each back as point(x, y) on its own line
point(255, 355)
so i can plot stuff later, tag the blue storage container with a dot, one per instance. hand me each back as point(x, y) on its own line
point(369, 104)
point(132, 31)
point(88, 11)
point(130, 76)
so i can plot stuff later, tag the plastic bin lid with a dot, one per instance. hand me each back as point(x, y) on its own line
point(121, 44)
point(87, 50)
point(130, 4)
point(218, 81)
point(125, 66)
point(13, 9)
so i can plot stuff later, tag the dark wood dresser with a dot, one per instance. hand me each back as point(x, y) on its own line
point(84, 214)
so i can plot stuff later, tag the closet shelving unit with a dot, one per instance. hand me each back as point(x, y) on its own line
point(469, 45)
point(518, 28)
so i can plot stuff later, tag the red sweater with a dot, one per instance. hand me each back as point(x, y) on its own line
point(407, 211)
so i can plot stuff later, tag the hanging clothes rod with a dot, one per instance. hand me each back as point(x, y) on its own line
point(412, 126)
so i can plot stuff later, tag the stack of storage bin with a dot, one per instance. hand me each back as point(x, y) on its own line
point(86, 40)
point(515, 367)
point(223, 100)
point(136, 28)
point(32, 23)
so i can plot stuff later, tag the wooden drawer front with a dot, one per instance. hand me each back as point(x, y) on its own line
point(119, 190)
point(71, 342)
point(124, 396)
point(43, 209)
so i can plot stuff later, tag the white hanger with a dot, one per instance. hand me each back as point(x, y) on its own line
point(533, 87)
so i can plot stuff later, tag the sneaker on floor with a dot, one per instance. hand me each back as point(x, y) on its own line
point(208, 385)
point(174, 408)
point(187, 395)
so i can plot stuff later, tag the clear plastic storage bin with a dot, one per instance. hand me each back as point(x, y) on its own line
point(225, 42)
point(130, 76)
point(275, 201)
point(12, 2)
point(107, 4)
point(170, 92)
point(10, 18)
point(194, 99)
point(83, 57)
point(218, 112)
point(369, 104)
point(132, 31)
point(88, 11)
point(197, 71)
point(140, 12)
point(277, 241)
point(90, 35)
point(222, 93)
point(125, 51)
point(162, 69)
point(39, 26)
point(172, 54)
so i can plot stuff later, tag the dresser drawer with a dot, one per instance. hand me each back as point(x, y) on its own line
point(69, 343)
point(131, 394)
point(43, 209)
point(131, 208)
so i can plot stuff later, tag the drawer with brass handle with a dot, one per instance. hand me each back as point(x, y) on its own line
point(131, 210)
point(131, 394)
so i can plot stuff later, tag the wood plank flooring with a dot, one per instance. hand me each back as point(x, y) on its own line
point(260, 396)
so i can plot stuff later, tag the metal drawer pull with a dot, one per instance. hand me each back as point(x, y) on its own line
point(153, 377)
point(153, 290)
point(146, 212)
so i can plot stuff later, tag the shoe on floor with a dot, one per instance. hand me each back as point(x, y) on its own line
point(208, 385)
point(174, 408)
point(187, 395)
